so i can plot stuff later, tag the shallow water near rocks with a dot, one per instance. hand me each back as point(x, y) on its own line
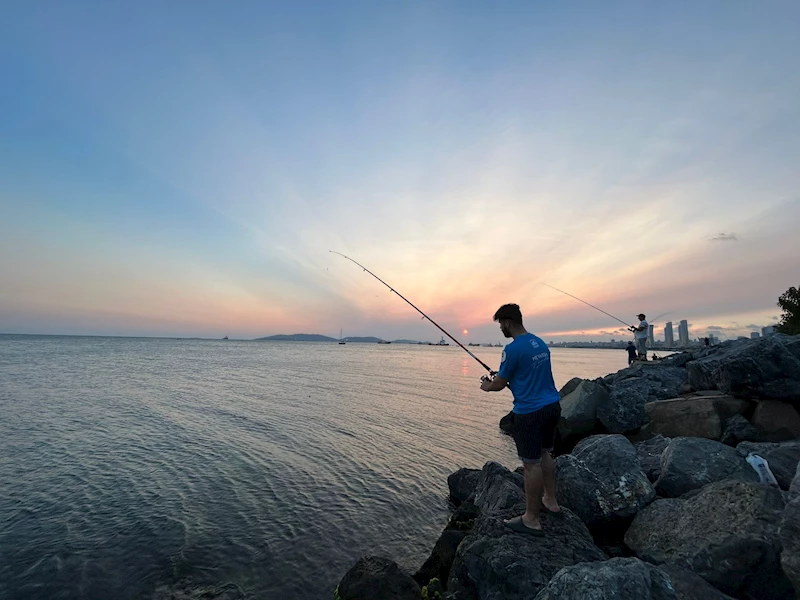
point(133, 467)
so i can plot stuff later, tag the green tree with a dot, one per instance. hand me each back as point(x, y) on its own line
point(790, 320)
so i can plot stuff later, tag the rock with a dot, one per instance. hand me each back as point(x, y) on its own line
point(691, 463)
point(441, 559)
point(727, 533)
point(649, 452)
point(570, 386)
point(377, 577)
point(738, 429)
point(781, 457)
point(494, 562)
point(677, 360)
point(777, 421)
point(790, 533)
point(507, 422)
point(618, 578)
point(602, 481)
point(579, 407)
point(693, 416)
point(462, 484)
point(666, 378)
point(690, 586)
point(497, 489)
point(624, 410)
point(762, 368)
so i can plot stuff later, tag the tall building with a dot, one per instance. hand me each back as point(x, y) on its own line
point(669, 341)
point(767, 331)
point(683, 333)
point(651, 340)
point(754, 335)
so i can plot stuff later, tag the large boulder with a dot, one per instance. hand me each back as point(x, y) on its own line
point(497, 489)
point(496, 563)
point(693, 416)
point(377, 577)
point(690, 586)
point(579, 407)
point(462, 484)
point(667, 377)
point(618, 578)
point(738, 429)
point(690, 463)
point(602, 480)
point(763, 368)
point(624, 410)
point(777, 421)
point(727, 533)
point(790, 533)
point(649, 453)
point(781, 457)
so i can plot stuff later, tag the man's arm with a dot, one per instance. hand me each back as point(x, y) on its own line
point(494, 385)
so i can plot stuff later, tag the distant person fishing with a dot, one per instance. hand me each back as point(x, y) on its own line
point(631, 353)
point(640, 335)
point(526, 370)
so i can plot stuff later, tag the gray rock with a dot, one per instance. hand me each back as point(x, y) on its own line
point(776, 421)
point(618, 578)
point(496, 563)
point(690, 586)
point(727, 533)
point(507, 423)
point(690, 463)
point(693, 416)
point(649, 453)
point(763, 368)
point(462, 484)
point(738, 429)
point(377, 577)
point(781, 457)
point(579, 407)
point(667, 379)
point(497, 489)
point(624, 410)
point(790, 533)
point(602, 481)
point(570, 386)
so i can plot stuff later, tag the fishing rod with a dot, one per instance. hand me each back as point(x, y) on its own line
point(483, 364)
point(592, 305)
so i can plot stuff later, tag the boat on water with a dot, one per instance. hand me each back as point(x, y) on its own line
point(471, 344)
point(442, 342)
point(225, 338)
point(383, 342)
point(341, 339)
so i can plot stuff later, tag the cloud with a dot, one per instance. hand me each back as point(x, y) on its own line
point(724, 237)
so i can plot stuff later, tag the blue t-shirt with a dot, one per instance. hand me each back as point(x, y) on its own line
point(526, 366)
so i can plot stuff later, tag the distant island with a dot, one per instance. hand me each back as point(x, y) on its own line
point(316, 337)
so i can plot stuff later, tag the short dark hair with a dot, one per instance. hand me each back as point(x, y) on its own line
point(509, 312)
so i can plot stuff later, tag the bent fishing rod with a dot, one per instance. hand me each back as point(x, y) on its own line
point(483, 364)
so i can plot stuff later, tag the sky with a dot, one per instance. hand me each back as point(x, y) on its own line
point(183, 168)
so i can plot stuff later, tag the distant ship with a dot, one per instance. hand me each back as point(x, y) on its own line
point(498, 345)
point(225, 338)
point(383, 342)
point(471, 344)
point(442, 342)
point(341, 339)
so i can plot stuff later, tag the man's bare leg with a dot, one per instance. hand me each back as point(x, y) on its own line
point(549, 477)
point(534, 486)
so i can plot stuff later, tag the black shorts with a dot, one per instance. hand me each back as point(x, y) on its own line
point(536, 431)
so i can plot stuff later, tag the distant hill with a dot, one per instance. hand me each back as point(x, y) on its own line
point(297, 337)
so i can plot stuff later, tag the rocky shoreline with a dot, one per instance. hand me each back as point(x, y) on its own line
point(660, 492)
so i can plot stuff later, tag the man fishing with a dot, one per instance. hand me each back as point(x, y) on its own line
point(525, 368)
point(640, 334)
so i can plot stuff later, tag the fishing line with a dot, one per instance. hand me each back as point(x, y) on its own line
point(424, 316)
point(587, 304)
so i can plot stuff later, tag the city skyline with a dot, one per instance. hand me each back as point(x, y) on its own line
point(193, 184)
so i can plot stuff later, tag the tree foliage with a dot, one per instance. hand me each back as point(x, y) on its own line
point(790, 320)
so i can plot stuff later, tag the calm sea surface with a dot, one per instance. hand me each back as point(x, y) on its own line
point(137, 468)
